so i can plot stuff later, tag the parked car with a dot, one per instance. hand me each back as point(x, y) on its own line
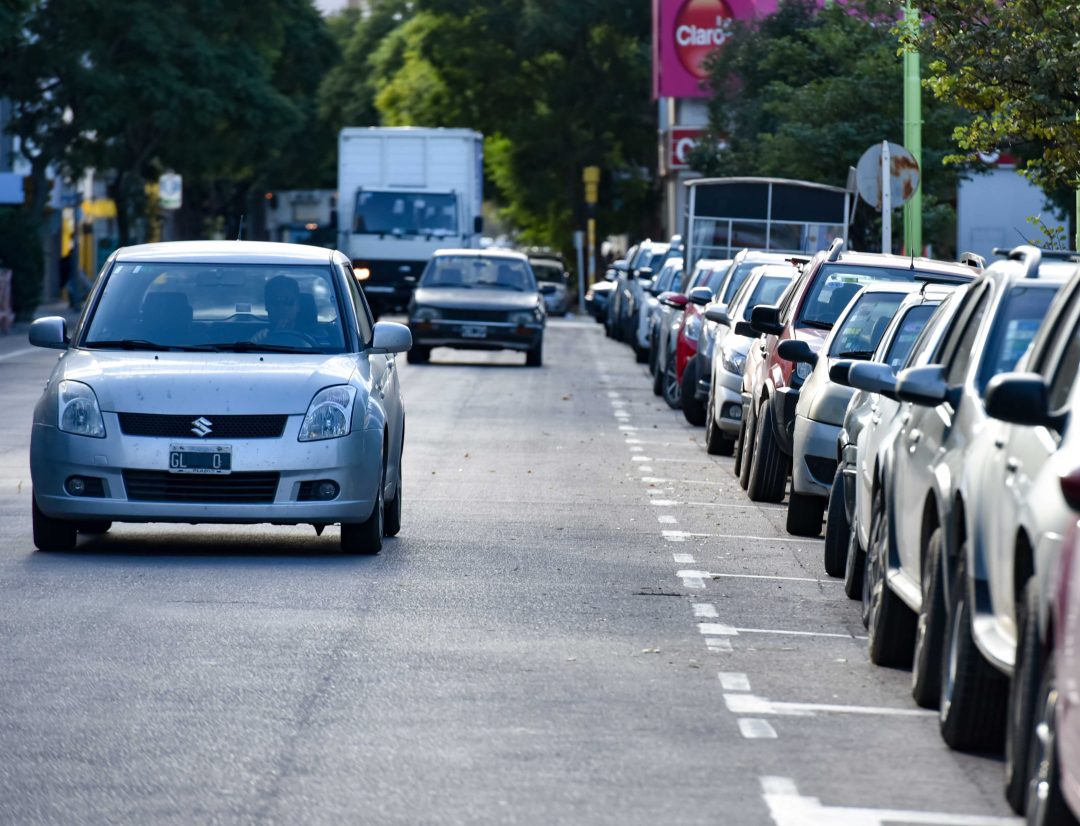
point(658, 308)
point(599, 293)
point(910, 340)
point(918, 568)
point(824, 289)
point(656, 358)
point(723, 409)
point(819, 414)
point(549, 268)
point(638, 323)
point(220, 381)
point(478, 300)
point(645, 261)
point(1015, 513)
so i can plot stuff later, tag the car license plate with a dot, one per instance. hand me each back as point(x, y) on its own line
point(473, 331)
point(200, 459)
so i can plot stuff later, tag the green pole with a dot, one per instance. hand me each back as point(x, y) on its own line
point(913, 139)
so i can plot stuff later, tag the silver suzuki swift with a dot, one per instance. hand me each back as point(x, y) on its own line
point(221, 382)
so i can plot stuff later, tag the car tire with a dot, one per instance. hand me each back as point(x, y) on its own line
point(746, 448)
point(365, 537)
point(768, 466)
point(653, 350)
point(672, 390)
point(973, 693)
point(890, 622)
point(392, 508)
point(641, 354)
point(1023, 697)
point(534, 356)
point(95, 528)
point(837, 529)
point(52, 534)
point(692, 407)
point(930, 627)
point(1046, 804)
point(854, 567)
point(418, 354)
point(716, 443)
point(804, 514)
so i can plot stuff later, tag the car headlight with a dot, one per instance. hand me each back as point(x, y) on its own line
point(78, 411)
point(733, 362)
point(803, 370)
point(523, 319)
point(692, 328)
point(422, 314)
point(329, 415)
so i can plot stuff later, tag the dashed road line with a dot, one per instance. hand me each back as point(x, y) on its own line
point(666, 519)
point(754, 728)
point(778, 578)
point(705, 609)
point(734, 681)
point(752, 704)
point(683, 559)
point(719, 645)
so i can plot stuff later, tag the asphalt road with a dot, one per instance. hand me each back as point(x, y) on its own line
point(582, 621)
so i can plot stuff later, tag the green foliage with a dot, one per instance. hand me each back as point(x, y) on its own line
point(1013, 67)
point(20, 252)
point(804, 93)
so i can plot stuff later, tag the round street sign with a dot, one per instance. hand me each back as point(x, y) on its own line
point(903, 175)
point(170, 190)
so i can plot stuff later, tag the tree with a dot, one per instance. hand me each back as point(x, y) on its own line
point(806, 91)
point(1014, 68)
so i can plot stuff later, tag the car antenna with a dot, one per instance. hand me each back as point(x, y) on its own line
point(912, 267)
point(240, 232)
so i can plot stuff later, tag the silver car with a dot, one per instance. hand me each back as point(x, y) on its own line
point(221, 382)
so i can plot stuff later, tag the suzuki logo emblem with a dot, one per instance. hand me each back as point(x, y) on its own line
point(202, 426)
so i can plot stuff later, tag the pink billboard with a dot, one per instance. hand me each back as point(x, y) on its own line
point(685, 32)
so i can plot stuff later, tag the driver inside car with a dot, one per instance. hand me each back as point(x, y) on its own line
point(282, 308)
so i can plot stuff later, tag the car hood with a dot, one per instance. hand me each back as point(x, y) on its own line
point(195, 383)
point(451, 298)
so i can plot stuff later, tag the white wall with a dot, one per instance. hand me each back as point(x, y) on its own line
point(992, 211)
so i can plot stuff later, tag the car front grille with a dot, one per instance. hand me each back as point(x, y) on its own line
point(474, 315)
point(216, 427)
point(203, 488)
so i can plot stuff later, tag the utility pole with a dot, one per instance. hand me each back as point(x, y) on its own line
point(590, 175)
point(913, 138)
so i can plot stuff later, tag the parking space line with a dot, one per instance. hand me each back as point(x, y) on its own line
point(716, 629)
point(705, 609)
point(754, 728)
point(734, 681)
point(663, 503)
point(683, 559)
point(747, 504)
point(635, 449)
point(783, 632)
point(666, 519)
point(719, 645)
point(752, 704)
point(641, 458)
point(627, 427)
point(779, 578)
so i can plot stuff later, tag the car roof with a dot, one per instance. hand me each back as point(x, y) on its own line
point(904, 262)
point(490, 252)
point(227, 252)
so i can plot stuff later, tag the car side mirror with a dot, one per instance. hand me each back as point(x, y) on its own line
point(765, 318)
point(644, 273)
point(873, 377)
point(390, 337)
point(677, 301)
point(924, 386)
point(547, 289)
point(839, 369)
point(50, 332)
point(796, 351)
point(700, 296)
point(1070, 489)
point(745, 328)
point(610, 276)
point(718, 313)
point(1020, 398)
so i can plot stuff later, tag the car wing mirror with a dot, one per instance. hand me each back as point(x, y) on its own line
point(796, 351)
point(1070, 489)
point(765, 318)
point(390, 337)
point(839, 369)
point(718, 313)
point(700, 296)
point(50, 332)
point(1020, 398)
point(873, 377)
point(924, 386)
point(745, 328)
point(644, 273)
point(547, 289)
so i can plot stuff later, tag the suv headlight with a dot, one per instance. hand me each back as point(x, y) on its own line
point(422, 314)
point(733, 362)
point(329, 415)
point(78, 411)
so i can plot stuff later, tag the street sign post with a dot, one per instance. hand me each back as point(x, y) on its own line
point(171, 190)
point(887, 176)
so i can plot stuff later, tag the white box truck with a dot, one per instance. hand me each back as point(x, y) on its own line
point(404, 192)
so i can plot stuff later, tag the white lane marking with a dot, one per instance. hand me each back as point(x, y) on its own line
point(21, 352)
point(734, 681)
point(679, 536)
point(641, 459)
point(788, 808)
point(622, 414)
point(708, 461)
point(618, 403)
point(663, 503)
point(645, 468)
point(719, 645)
point(829, 581)
point(630, 441)
point(627, 427)
point(783, 632)
point(635, 449)
point(683, 559)
point(747, 504)
point(752, 704)
point(692, 581)
point(768, 538)
point(694, 482)
point(716, 629)
point(666, 519)
point(613, 394)
point(754, 728)
point(705, 609)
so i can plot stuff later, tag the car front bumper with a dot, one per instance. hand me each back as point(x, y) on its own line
point(814, 461)
point(476, 335)
point(353, 462)
point(728, 400)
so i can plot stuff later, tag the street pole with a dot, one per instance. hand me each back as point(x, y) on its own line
point(579, 247)
point(590, 175)
point(886, 199)
point(913, 139)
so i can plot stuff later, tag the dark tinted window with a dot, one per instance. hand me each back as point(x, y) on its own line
point(739, 273)
point(863, 327)
point(835, 286)
point(1014, 328)
point(1066, 372)
point(907, 332)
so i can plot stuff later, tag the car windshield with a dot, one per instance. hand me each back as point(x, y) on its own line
point(739, 273)
point(205, 306)
point(863, 327)
point(547, 272)
point(479, 272)
point(768, 290)
point(405, 213)
point(1014, 327)
point(911, 325)
point(836, 284)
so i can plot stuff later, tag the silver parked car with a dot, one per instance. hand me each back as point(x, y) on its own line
point(221, 382)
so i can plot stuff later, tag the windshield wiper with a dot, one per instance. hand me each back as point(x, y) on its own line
point(498, 285)
point(132, 344)
point(856, 354)
point(252, 347)
point(817, 325)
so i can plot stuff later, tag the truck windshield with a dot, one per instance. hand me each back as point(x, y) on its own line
point(405, 213)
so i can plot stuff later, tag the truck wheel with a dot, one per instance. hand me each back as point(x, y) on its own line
point(692, 408)
point(418, 354)
point(768, 468)
point(837, 529)
point(804, 514)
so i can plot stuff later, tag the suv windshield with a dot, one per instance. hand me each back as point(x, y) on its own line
point(478, 271)
point(405, 213)
point(836, 284)
point(864, 326)
point(207, 306)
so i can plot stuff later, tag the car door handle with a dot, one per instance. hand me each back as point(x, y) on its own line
point(1012, 465)
point(914, 437)
point(999, 443)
